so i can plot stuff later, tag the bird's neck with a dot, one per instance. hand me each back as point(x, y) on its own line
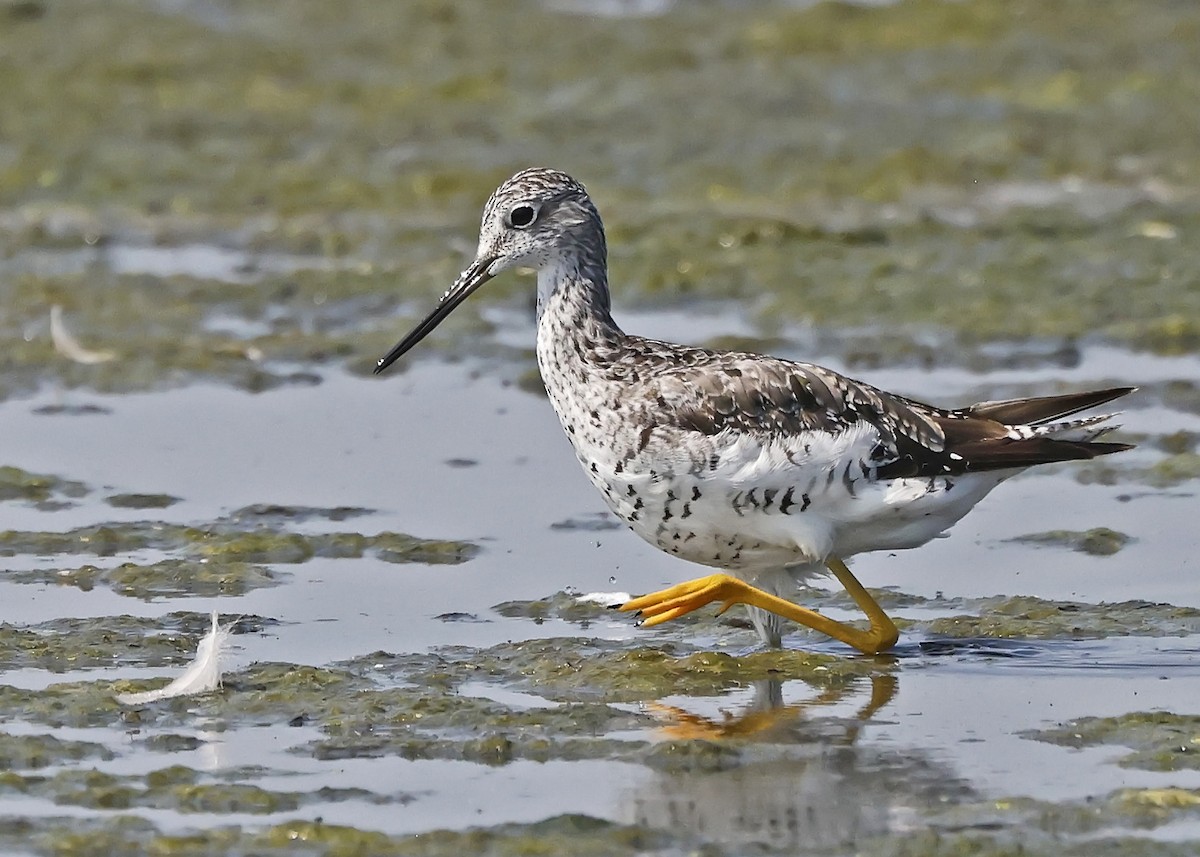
point(576, 288)
point(575, 324)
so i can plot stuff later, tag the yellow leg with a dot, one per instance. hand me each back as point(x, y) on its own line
point(883, 632)
point(668, 604)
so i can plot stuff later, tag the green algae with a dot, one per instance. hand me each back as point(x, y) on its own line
point(1010, 831)
point(171, 578)
point(997, 617)
point(81, 704)
point(96, 539)
point(37, 488)
point(167, 742)
point(178, 789)
point(230, 545)
point(277, 514)
point(428, 706)
point(651, 672)
point(580, 835)
point(423, 718)
point(421, 721)
point(1169, 471)
point(561, 605)
point(435, 705)
point(1160, 802)
point(955, 844)
point(1098, 541)
point(286, 547)
point(584, 679)
point(71, 644)
point(422, 713)
point(140, 501)
point(182, 82)
point(693, 757)
point(253, 546)
point(1174, 470)
point(166, 579)
point(1160, 740)
point(397, 547)
point(1024, 826)
point(979, 172)
point(569, 669)
point(1014, 617)
point(25, 752)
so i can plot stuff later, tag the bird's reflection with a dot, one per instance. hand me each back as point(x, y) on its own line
point(767, 717)
point(803, 782)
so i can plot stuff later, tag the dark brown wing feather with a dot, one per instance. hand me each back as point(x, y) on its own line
point(978, 437)
point(1006, 454)
point(1043, 409)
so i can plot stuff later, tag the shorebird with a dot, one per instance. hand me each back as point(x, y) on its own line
point(770, 470)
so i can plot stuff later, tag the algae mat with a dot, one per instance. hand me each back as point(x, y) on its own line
point(387, 685)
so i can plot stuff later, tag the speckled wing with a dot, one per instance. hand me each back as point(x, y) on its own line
point(711, 392)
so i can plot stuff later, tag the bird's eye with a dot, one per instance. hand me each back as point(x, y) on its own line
point(522, 216)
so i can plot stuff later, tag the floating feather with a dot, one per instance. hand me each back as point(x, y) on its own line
point(202, 674)
point(605, 599)
point(68, 346)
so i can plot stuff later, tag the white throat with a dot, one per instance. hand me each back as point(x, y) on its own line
point(549, 278)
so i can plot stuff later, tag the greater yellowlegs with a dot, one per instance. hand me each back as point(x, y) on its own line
point(770, 470)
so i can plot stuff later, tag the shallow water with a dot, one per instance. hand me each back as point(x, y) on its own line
point(245, 205)
point(454, 451)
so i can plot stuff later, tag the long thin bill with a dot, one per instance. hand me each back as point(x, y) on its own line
point(468, 281)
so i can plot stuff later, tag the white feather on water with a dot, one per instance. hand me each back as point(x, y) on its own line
point(605, 599)
point(202, 674)
point(68, 346)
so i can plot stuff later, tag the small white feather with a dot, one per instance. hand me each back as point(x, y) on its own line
point(202, 674)
point(68, 346)
point(606, 599)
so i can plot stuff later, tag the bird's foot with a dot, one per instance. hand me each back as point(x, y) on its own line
point(676, 601)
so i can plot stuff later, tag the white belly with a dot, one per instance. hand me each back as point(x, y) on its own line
point(745, 506)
